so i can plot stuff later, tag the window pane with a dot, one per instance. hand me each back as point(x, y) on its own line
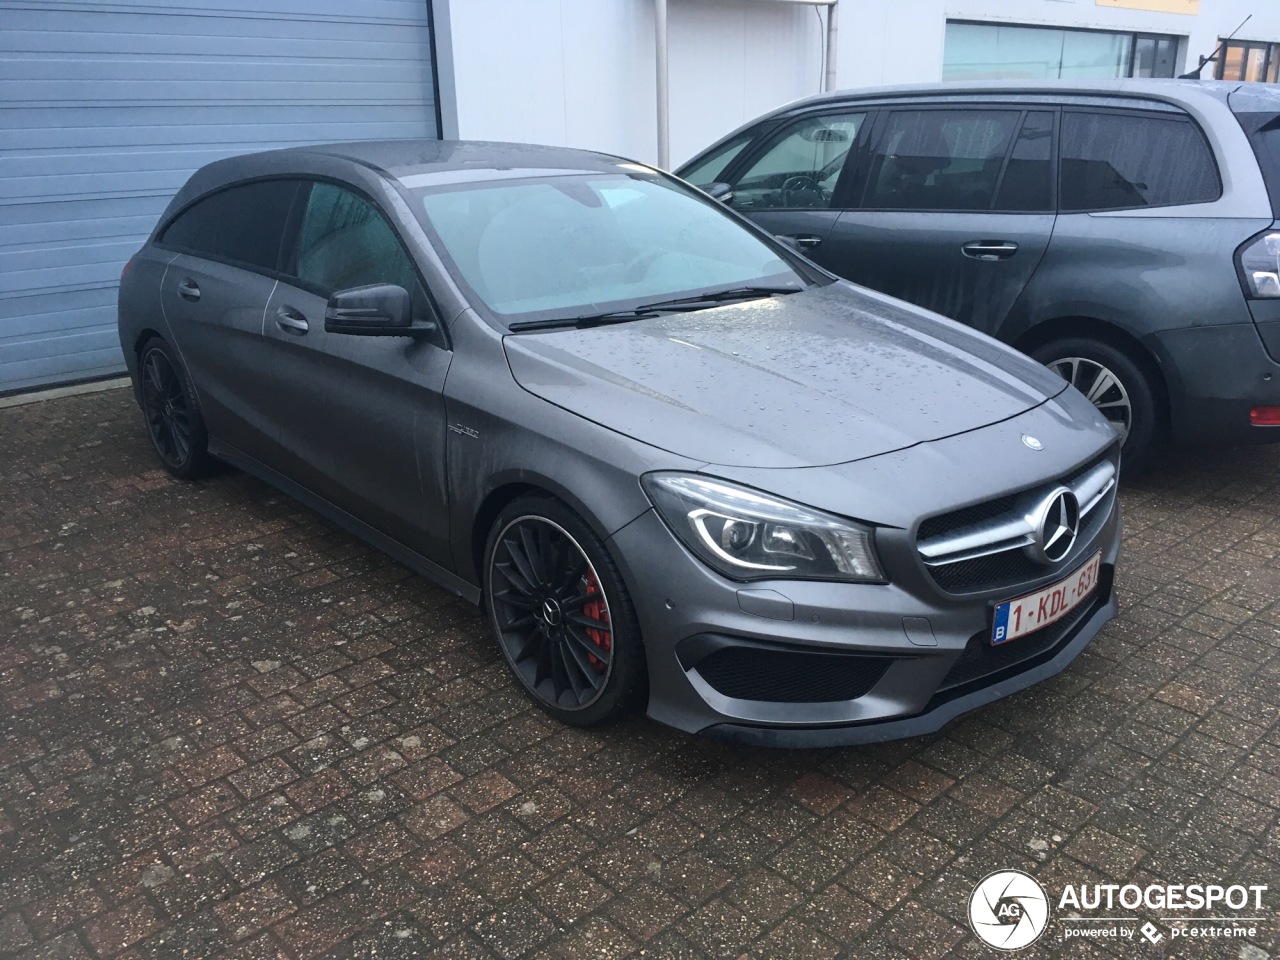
point(244, 223)
point(1088, 54)
point(714, 165)
point(1028, 178)
point(979, 51)
point(346, 242)
point(1144, 57)
point(1255, 63)
point(799, 170)
point(1166, 58)
point(1110, 161)
point(939, 159)
point(1232, 62)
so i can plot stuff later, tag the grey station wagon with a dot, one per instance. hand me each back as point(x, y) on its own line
point(680, 466)
point(1121, 232)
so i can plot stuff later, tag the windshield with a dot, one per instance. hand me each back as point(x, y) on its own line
point(565, 246)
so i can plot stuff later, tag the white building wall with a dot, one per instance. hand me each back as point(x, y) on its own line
point(581, 72)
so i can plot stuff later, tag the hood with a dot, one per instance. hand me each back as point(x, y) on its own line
point(829, 375)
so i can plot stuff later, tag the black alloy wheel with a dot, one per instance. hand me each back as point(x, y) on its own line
point(561, 614)
point(173, 419)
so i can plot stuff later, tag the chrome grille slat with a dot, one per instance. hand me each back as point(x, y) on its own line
point(1014, 528)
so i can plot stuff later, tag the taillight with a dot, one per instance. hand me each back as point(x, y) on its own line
point(128, 265)
point(1265, 416)
point(1260, 266)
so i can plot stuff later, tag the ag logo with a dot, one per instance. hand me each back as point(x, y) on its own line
point(1008, 910)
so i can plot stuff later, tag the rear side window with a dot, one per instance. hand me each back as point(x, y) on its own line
point(1113, 161)
point(1027, 184)
point(1264, 136)
point(939, 159)
point(346, 242)
point(244, 224)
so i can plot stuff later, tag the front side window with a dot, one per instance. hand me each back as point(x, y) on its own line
point(801, 167)
point(346, 242)
point(562, 246)
point(1113, 161)
point(709, 169)
point(244, 224)
point(939, 159)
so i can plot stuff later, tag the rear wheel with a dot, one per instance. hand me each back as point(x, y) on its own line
point(1113, 383)
point(562, 615)
point(172, 413)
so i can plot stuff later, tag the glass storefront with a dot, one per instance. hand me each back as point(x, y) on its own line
point(990, 51)
point(1248, 60)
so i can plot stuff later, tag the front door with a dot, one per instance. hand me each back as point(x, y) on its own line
point(362, 419)
point(955, 210)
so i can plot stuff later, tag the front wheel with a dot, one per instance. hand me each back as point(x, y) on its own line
point(562, 615)
point(1113, 383)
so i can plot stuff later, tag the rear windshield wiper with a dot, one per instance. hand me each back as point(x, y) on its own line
point(643, 312)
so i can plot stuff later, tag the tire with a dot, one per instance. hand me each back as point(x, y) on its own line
point(1119, 387)
point(561, 614)
point(172, 412)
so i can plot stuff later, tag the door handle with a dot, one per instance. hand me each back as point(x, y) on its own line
point(805, 241)
point(291, 321)
point(188, 289)
point(989, 249)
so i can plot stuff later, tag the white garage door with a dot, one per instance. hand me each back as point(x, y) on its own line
point(108, 107)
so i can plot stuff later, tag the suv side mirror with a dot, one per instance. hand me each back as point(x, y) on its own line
point(719, 191)
point(377, 310)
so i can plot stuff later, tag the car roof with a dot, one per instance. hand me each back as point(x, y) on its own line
point(1171, 88)
point(404, 158)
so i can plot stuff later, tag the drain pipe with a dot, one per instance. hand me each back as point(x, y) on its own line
point(664, 120)
point(660, 60)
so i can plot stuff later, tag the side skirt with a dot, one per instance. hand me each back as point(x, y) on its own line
point(393, 548)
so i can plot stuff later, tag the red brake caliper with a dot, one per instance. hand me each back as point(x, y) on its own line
point(596, 610)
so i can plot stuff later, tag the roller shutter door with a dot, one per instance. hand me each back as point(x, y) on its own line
point(108, 107)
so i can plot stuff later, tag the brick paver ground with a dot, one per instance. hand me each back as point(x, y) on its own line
point(231, 730)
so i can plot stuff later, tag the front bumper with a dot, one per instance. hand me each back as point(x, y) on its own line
point(908, 644)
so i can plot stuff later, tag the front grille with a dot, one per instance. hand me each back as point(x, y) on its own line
point(982, 547)
point(789, 676)
point(981, 660)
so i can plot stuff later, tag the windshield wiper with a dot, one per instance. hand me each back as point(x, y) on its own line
point(678, 305)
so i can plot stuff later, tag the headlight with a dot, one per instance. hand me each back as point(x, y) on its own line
point(1260, 266)
point(747, 535)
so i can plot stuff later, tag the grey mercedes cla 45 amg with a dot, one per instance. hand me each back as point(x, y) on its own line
point(681, 467)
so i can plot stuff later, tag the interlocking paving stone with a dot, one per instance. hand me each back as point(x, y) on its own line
point(232, 730)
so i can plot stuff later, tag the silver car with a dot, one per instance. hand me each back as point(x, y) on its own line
point(681, 467)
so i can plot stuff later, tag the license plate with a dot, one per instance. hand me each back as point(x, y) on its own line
point(1017, 618)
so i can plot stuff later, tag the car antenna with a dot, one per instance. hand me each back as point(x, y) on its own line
point(1212, 58)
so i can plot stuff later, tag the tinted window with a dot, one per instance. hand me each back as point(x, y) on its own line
point(244, 223)
point(706, 171)
point(801, 167)
point(346, 242)
point(1114, 161)
point(1027, 183)
point(939, 159)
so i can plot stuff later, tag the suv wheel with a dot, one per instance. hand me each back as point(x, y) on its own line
point(1114, 384)
point(562, 615)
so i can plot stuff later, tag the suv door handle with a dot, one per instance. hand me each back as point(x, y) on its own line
point(805, 241)
point(188, 289)
point(291, 321)
point(989, 249)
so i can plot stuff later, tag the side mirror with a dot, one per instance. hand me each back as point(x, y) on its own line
point(719, 191)
point(378, 310)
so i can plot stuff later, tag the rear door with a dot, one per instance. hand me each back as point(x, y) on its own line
point(791, 183)
point(362, 419)
point(226, 249)
point(952, 208)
